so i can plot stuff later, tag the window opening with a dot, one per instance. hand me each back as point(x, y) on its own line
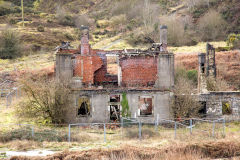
point(226, 108)
point(84, 107)
point(114, 107)
point(146, 106)
point(112, 65)
point(203, 109)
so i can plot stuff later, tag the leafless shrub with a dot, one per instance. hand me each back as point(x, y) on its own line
point(122, 7)
point(118, 21)
point(217, 85)
point(83, 20)
point(184, 104)
point(212, 26)
point(148, 13)
point(141, 36)
point(46, 100)
point(64, 18)
point(179, 30)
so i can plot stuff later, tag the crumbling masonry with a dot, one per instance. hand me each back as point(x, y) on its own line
point(215, 104)
point(99, 78)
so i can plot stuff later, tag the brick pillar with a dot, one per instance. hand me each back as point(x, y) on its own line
point(85, 46)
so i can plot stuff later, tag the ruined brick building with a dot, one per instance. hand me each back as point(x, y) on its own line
point(99, 78)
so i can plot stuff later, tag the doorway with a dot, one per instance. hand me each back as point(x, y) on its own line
point(115, 108)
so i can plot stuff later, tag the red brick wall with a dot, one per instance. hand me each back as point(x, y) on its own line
point(91, 63)
point(101, 74)
point(139, 71)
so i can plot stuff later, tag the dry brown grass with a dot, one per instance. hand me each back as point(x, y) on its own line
point(218, 149)
point(162, 146)
point(23, 145)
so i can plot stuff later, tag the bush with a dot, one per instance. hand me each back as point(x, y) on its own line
point(46, 101)
point(83, 20)
point(10, 45)
point(184, 104)
point(125, 107)
point(233, 40)
point(40, 28)
point(191, 75)
point(212, 26)
point(12, 21)
point(217, 85)
point(27, 3)
point(179, 30)
point(219, 49)
point(64, 18)
point(69, 36)
point(8, 8)
point(102, 23)
point(116, 21)
point(122, 7)
point(140, 37)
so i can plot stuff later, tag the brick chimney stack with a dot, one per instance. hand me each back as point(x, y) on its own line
point(85, 46)
point(163, 36)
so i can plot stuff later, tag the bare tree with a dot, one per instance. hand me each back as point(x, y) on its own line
point(184, 103)
point(46, 101)
point(212, 26)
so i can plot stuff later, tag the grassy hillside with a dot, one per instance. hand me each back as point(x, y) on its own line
point(137, 21)
point(114, 24)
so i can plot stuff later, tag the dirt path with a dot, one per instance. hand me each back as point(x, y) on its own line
point(111, 44)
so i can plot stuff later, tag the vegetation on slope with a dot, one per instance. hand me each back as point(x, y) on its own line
point(189, 21)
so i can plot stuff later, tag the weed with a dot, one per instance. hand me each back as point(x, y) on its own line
point(40, 28)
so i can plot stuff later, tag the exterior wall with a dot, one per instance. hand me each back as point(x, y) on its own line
point(98, 113)
point(161, 102)
point(151, 72)
point(214, 103)
point(165, 71)
point(101, 75)
point(85, 67)
point(64, 69)
point(100, 106)
point(139, 71)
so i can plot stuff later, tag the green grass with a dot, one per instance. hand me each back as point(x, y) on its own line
point(92, 137)
point(31, 62)
point(199, 48)
point(7, 115)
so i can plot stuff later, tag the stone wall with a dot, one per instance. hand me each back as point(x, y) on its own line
point(214, 102)
point(100, 110)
